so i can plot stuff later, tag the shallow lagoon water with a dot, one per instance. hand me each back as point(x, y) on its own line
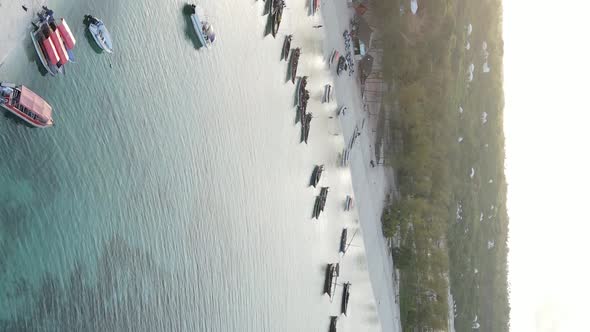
point(172, 192)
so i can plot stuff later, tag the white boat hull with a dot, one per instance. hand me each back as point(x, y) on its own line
point(198, 26)
point(101, 36)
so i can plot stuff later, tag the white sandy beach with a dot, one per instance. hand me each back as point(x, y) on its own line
point(15, 23)
point(371, 184)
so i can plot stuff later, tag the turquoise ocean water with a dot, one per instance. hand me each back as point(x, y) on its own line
point(172, 193)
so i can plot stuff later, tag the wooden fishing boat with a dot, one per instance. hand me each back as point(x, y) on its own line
point(295, 54)
point(316, 175)
point(345, 298)
point(286, 47)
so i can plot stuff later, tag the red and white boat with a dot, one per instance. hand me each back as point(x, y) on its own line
point(27, 105)
point(53, 41)
point(314, 6)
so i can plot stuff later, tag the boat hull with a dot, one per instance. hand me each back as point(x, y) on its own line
point(316, 175)
point(198, 26)
point(343, 238)
point(296, 53)
point(286, 47)
point(345, 298)
point(101, 36)
point(277, 16)
point(327, 93)
point(333, 322)
point(25, 118)
point(329, 279)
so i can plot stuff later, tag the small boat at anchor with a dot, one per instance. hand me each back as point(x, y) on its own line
point(348, 203)
point(345, 298)
point(342, 65)
point(53, 42)
point(300, 89)
point(327, 93)
point(100, 33)
point(286, 47)
point(343, 238)
point(300, 92)
point(27, 105)
point(203, 28)
point(333, 322)
point(316, 175)
point(276, 16)
point(344, 157)
point(305, 127)
point(314, 6)
point(295, 54)
point(334, 57)
point(332, 273)
point(320, 202)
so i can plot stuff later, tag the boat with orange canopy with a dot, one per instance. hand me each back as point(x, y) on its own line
point(27, 105)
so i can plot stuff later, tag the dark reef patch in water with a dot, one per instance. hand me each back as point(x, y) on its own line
point(129, 292)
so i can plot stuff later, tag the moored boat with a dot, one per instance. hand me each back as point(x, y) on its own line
point(298, 91)
point(286, 47)
point(316, 175)
point(295, 54)
point(301, 94)
point(345, 155)
point(46, 50)
point(348, 203)
point(100, 33)
point(305, 127)
point(320, 202)
point(276, 15)
point(314, 6)
point(332, 273)
point(333, 322)
point(334, 57)
point(342, 65)
point(27, 105)
point(324, 194)
point(53, 41)
point(345, 298)
point(203, 28)
point(343, 238)
point(327, 93)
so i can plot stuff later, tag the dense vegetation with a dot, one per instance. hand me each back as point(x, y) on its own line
point(451, 216)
